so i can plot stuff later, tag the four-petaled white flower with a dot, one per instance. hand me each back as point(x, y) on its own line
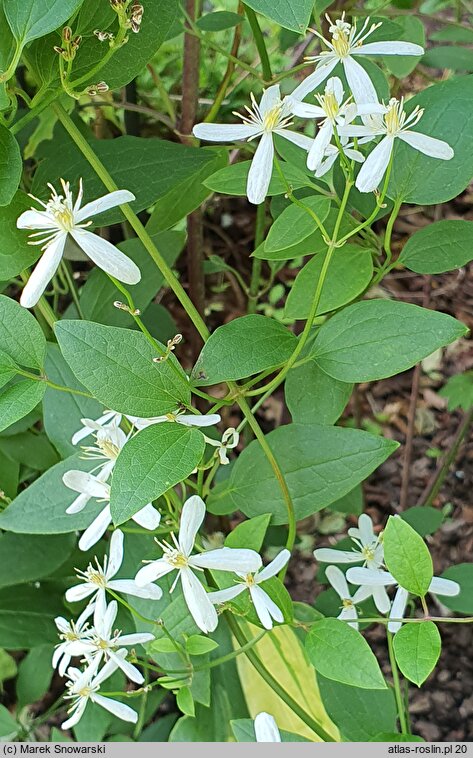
point(271, 116)
point(91, 486)
point(266, 729)
point(394, 124)
point(96, 580)
point(334, 112)
point(371, 577)
point(178, 557)
point(101, 642)
point(81, 689)
point(62, 217)
point(178, 417)
point(347, 42)
point(266, 609)
point(339, 584)
point(69, 631)
point(230, 439)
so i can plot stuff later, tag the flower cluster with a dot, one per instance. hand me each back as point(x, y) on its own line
point(334, 115)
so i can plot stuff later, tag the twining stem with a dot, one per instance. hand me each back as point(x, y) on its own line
point(257, 262)
point(397, 686)
point(72, 287)
point(260, 43)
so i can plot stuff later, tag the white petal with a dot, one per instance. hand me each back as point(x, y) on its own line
point(335, 85)
point(328, 555)
point(319, 145)
point(389, 48)
point(381, 599)
point(266, 729)
point(192, 516)
point(107, 257)
point(364, 592)
point(370, 576)
point(140, 638)
point(79, 592)
point(365, 525)
point(349, 614)
point(353, 130)
point(312, 81)
point(128, 669)
point(265, 608)
point(119, 197)
point(104, 617)
point(398, 609)
point(43, 272)
point(222, 596)
point(327, 164)
point(109, 668)
point(34, 219)
point(96, 530)
point(129, 587)
point(120, 710)
point(261, 170)
point(115, 553)
point(271, 97)
point(228, 559)
point(86, 484)
point(307, 110)
point(199, 420)
point(353, 155)
point(274, 567)
point(76, 716)
point(374, 167)
point(337, 579)
point(359, 82)
point(148, 517)
point(198, 602)
point(78, 504)
point(224, 132)
point(152, 571)
point(445, 587)
point(435, 148)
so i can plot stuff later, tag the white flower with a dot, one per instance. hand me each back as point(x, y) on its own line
point(109, 418)
point(69, 631)
point(179, 558)
point(347, 42)
point(265, 608)
point(331, 154)
point(97, 579)
point(109, 442)
point(230, 439)
point(81, 689)
point(91, 486)
point(61, 217)
point(271, 116)
point(334, 112)
point(178, 417)
point(101, 642)
point(438, 586)
point(266, 729)
point(394, 125)
point(339, 584)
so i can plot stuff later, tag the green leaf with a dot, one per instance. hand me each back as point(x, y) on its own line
point(314, 397)
point(116, 366)
point(349, 273)
point(151, 463)
point(8, 668)
point(15, 253)
point(8, 368)
point(463, 574)
point(358, 713)
point(417, 649)
point(294, 16)
point(407, 556)
point(375, 339)
point(448, 115)
point(450, 57)
point(41, 507)
point(423, 518)
point(459, 391)
point(18, 399)
point(9, 728)
point(20, 334)
point(439, 247)
point(320, 465)
point(27, 616)
point(35, 674)
point(339, 652)
point(412, 31)
point(185, 701)
point(40, 556)
point(295, 224)
point(198, 645)
point(241, 348)
point(29, 20)
point(232, 179)
point(31, 449)
point(249, 534)
point(11, 165)
point(218, 21)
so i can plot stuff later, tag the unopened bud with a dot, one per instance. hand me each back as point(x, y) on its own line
point(67, 34)
point(123, 307)
point(103, 36)
point(59, 50)
point(136, 17)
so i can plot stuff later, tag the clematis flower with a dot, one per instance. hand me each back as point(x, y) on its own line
point(62, 216)
point(81, 689)
point(345, 44)
point(334, 112)
point(96, 580)
point(69, 631)
point(271, 116)
point(102, 643)
point(230, 439)
point(89, 426)
point(109, 442)
point(438, 586)
point(266, 609)
point(178, 417)
point(331, 154)
point(178, 557)
point(266, 729)
point(339, 584)
point(395, 124)
point(91, 486)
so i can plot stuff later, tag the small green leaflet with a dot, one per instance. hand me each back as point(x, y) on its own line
point(439, 247)
point(295, 224)
point(232, 179)
point(11, 166)
point(29, 19)
point(314, 397)
point(21, 335)
point(292, 15)
point(15, 253)
point(407, 556)
point(18, 399)
point(339, 652)
point(417, 649)
point(463, 574)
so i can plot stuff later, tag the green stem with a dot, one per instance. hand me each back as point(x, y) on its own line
point(6, 75)
point(53, 385)
point(397, 686)
point(260, 43)
point(72, 287)
point(257, 262)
